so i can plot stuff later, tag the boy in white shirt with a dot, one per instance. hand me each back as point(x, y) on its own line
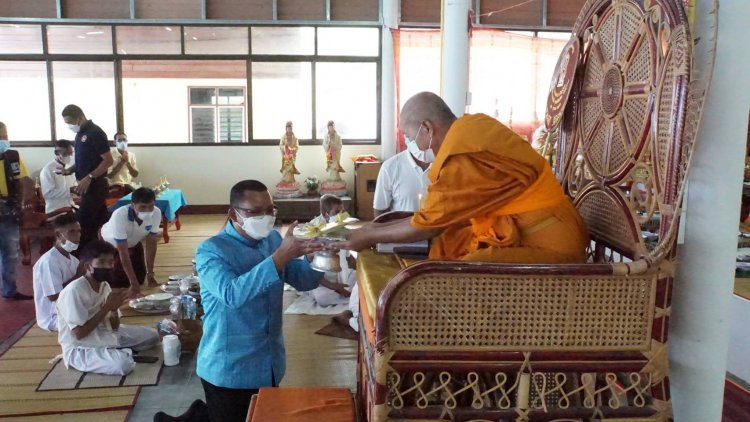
point(55, 269)
point(335, 288)
point(56, 188)
point(134, 231)
point(91, 336)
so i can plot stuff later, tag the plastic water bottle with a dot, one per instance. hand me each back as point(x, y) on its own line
point(172, 348)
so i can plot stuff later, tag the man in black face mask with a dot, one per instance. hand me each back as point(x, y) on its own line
point(89, 327)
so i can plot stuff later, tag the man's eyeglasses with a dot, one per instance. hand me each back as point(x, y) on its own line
point(251, 213)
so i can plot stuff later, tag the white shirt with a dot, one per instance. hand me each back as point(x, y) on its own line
point(77, 304)
point(122, 226)
point(400, 183)
point(123, 176)
point(55, 187)
point(50, 272)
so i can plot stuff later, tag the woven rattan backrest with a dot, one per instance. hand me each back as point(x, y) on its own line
point(466, 311)
point(622, 139)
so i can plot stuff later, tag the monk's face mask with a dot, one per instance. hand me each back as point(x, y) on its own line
point(426, 155)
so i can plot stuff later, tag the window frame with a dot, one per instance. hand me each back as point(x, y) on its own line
point(217, 107)
point(117, 58)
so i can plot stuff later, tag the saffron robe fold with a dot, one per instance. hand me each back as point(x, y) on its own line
point(497, 200)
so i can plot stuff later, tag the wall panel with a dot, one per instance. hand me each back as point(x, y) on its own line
point(168, 9)
point(96, 9)
point(302, 10)
point(239, 9)
point(28, 8)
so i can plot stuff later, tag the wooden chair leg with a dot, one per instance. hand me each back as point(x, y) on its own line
point(25, 245)
point(177, 224)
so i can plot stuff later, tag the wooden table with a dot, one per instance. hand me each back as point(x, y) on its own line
point(304, 208)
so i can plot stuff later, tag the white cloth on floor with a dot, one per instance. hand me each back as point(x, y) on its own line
point(354, 307)
point(324, 296)
point(305, 304)
point(110, 360)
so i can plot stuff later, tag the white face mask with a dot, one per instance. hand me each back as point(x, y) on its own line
point(65, 159)
point(4, 145)
point(68, 246)
point(74, 128)
point(425, 156)
point(122, 146)
point(145, 215)
point(258, 228)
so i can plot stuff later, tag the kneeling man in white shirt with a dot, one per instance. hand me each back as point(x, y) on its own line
point(55, 269)
point(90, 333)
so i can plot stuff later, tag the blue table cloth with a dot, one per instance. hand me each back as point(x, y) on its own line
point(168, 202)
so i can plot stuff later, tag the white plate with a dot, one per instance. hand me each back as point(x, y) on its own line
point(178, 277)
point(159, 297)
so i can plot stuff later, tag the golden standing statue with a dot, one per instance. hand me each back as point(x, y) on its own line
point(289, 144)
point(332, 146)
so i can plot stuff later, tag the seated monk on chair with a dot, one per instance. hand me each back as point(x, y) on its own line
point(492, 198)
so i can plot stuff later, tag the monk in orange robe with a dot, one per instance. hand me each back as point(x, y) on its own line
point(492, 198)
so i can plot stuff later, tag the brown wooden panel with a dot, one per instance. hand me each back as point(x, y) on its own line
point(173, 69)
point(28, 8)
point(503, 12)
point(420, 11)
point(96, 9)
point(168, 9)
point(301, 10)
point(563, 12)
point(239, 9)
point(355, 10)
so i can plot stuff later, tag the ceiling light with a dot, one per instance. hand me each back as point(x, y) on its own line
point(81, 36)
point(166, 28)
point(195, 38)
point(95, 33)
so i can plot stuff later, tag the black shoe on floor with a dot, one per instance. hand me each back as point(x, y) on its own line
point(196, 412)
point(19, 296)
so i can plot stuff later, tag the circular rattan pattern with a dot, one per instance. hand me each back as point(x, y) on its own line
point(562, 82)
point(611, 91)
point(618, 80)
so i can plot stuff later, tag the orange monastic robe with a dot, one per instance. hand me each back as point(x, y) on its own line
point(497, 200)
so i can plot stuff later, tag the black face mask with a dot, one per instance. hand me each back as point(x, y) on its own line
point(102, 274)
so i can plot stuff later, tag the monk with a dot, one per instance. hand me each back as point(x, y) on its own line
point(492, 198)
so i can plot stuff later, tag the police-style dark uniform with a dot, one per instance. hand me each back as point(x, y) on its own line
point(91, 143)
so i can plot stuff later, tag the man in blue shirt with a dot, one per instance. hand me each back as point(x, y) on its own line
point(242, 271)
point(92, 162)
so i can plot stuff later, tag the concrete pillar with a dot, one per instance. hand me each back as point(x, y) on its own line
point(454, 62)
point(703, 288)
point(388, 82)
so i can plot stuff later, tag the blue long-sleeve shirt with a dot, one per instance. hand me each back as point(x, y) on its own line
point(241, 291)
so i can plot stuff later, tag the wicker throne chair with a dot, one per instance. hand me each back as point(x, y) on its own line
point(476, 342)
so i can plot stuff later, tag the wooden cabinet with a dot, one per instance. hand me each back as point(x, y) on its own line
point(365, 179)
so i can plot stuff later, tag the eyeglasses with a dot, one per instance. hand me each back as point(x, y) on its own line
point(251, 213)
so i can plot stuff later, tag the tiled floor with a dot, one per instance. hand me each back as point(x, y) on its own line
point(178, 388)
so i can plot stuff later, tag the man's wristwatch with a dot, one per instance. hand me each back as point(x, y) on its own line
point(90, 176)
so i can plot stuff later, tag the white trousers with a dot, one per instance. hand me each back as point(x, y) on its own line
point(110, 360)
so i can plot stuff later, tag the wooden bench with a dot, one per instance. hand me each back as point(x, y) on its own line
point(311, 404)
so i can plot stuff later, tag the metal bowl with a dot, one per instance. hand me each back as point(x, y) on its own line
point(326, 260)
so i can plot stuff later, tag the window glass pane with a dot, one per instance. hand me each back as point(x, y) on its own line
point(419, 67)
point(231, 124)
point(346, 93)
point(89, 85)
point(70, 39)
point(231, 96)
point(148, 40)
point(275, 40)
point(348, 41)
point(202, 96)
point(203, 124)
point(157, 94)
point(21, 39)
point(214, 40)
point(509, 77)
point(281, 92)
point(26, 116)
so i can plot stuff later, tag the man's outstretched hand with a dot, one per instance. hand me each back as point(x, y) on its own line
point(292, 247)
